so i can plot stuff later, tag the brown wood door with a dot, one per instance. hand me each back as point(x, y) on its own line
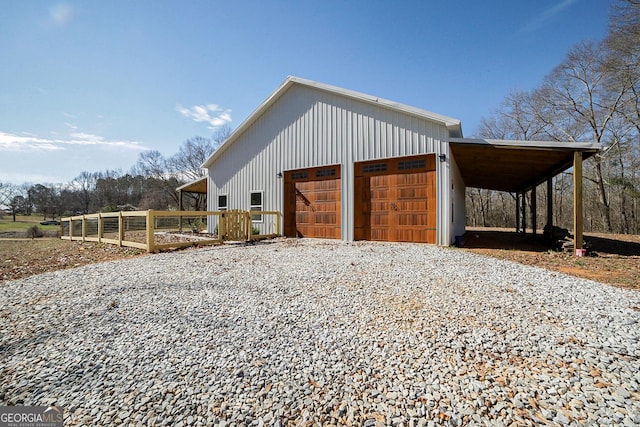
point(395, 200)
point(312, 202)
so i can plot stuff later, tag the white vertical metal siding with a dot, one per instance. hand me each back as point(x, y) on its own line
point(308, 127)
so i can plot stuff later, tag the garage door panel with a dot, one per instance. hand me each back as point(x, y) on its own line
point(380, 234)
point(325, 196)
point(413, 219)
point(380, 207)
point(412, 193)
point(410, 179)
point(326, 219)
point(312, 202)
point(379, 219)
point(396, 200)
point(412, 205)
point(361, 233)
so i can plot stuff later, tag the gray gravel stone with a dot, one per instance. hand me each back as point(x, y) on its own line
point(321, 333)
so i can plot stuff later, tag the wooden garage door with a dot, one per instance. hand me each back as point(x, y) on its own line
point(312, 202)
point(395, 200)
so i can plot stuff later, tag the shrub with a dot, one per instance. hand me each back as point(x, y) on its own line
point(254, 230)
point(198, 225)
point(34, 231)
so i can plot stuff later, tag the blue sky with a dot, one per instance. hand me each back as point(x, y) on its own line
point(87, 86)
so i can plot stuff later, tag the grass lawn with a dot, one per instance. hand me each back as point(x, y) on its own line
point(23, 223)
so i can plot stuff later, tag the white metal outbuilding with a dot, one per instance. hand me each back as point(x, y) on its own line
point(342, 164)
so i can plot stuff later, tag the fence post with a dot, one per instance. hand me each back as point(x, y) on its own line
point(100, 227)
point(278, 223)
point(150, 228)
point(84, 228)
point(248, 223)
point(120, 229)
point(222, 225)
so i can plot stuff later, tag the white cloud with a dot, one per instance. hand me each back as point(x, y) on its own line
point(545, 16)
point(212, 114)
point(81, 138)
point(31, 143)
point(12, 142)
point(61, 14)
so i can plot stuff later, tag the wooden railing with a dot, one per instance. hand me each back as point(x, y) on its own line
point(156, 230)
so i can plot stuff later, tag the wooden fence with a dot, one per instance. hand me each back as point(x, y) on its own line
point(156, 230)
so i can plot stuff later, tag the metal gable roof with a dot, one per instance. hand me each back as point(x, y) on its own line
point(452, 124)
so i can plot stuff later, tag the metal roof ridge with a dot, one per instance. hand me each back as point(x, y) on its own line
point(448, 121)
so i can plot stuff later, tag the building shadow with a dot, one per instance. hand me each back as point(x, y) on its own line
point(503, 239)
point(510, 240)
point(610, 246)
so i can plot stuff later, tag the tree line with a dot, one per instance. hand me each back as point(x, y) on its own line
point(150, 184)
point(592, 95)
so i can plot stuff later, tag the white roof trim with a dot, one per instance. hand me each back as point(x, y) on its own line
point(508, 143)
point(449, 122)
point(190, 183)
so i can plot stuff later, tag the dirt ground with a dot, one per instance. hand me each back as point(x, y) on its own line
point(26, 257)
point(613, 259)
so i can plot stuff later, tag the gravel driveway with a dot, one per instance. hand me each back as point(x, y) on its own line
point(310, 332)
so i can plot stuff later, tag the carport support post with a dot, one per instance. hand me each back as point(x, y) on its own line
point(523, 204)
point(577, 200)
point(180, 205)
point(549, 224)
point(517, 212)
point(534, 211)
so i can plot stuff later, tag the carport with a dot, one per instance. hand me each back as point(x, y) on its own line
point(520, 166)
point(198, 186)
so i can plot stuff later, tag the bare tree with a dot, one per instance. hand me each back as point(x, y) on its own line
point(151, 164)
point(46, 200)
point(7, 192)
point(85, 185)
point(579, 99)
point(187, 162)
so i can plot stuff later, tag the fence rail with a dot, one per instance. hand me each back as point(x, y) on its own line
point(156, 230)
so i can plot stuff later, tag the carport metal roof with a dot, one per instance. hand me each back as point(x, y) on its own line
point(197, 186)
point(514, 166)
